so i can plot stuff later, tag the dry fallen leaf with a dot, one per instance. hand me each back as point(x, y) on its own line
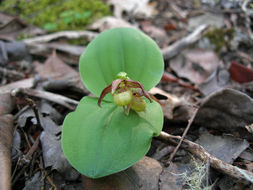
point(56, 69)
point(227, 110)
point(226, 147)
point(6, 103)
point(109, 22)
point(173, 107)
point(195, 65)
point(156, 33)
point(240, 73)
point(140, 8)
point(6, 135)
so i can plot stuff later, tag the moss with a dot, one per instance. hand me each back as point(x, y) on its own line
point(55, 15)
point(196, 179)
point(220, 37)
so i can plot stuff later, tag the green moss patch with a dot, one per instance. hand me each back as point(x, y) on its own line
point(55, 15)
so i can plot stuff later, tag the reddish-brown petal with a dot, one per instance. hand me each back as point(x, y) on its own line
point(103, 93)
point(136, 84)
point(115, 84)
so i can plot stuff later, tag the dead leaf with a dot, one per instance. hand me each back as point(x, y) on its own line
point(140, 8)
point(158, 34)
point(6, 103)
point(48, 125)
point(226, 148)
point(218, 80)
point(240, 73)
point(58, 181)
point(53, 156)
point(6, 135)
point(160, 152)
point(174, 108)
point(47, 121)
point(4, 19)
point(247, 155)
point(226, 183)
point(207, 18)
point(169, 104)
point(249, 128)
point(142, 176)
point(16, 148)
point(46, 109)
point(56, 69)
point(109, 22)
point(249, 166)
point(34, 182)
point(12, 51)
point(171, 177)
point(195, 65)
point(226, 110)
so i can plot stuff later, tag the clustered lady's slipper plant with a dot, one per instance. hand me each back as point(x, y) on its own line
point(108, 134)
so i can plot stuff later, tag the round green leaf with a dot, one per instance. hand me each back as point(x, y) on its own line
point(121, 49)
point(101, 141)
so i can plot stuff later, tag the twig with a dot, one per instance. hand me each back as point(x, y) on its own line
point(207, 172)
point(26, 83)
point(32, 104)
point(21, 172)
point(56, 98)
point(11, 74)
point(66, 34)
point(25, 160)
point(201, 153)
point(28, 155)
point(43, 174)
point(182, 138)
point(173, 49)
point(178, 12)
point(51, 182)
point(169, 78)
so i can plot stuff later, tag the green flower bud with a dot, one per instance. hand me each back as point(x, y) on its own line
point(123, 98)
point(122, 75)
point(138, 104)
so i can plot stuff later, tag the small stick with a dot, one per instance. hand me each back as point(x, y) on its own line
point(182, 138)
point(43, 174)
point(32, 104)
point(203, 155)
point(51, 182)
point(21, 172)
point(207, 172)
point(26, 83)
point(173, 49)
point(56, 98)
point(34, 147)
point(66, 34)
point(11, 73)
point(166, 77)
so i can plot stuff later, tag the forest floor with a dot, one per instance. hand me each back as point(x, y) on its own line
point(205, 92)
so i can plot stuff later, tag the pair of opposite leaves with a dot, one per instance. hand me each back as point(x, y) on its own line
point(102, 141)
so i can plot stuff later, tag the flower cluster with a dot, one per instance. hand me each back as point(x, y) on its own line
point(127, 93)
